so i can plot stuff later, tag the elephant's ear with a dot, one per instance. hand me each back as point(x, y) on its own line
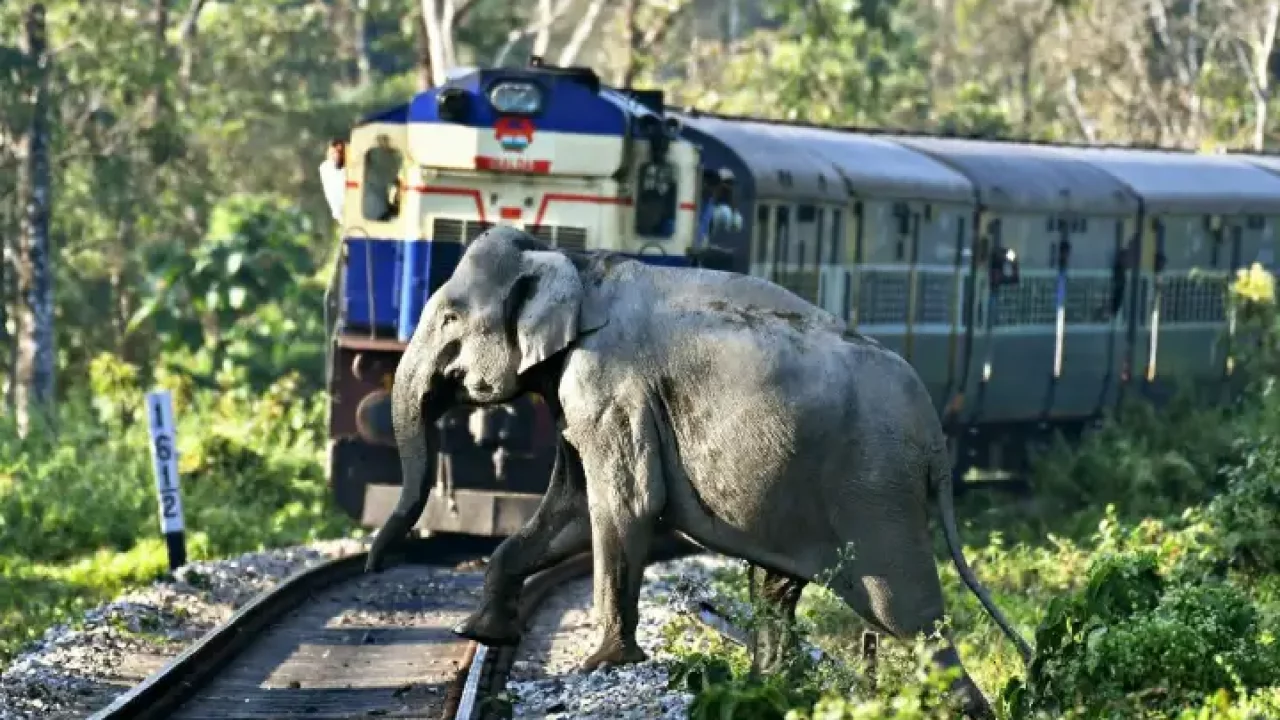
point(545, 305)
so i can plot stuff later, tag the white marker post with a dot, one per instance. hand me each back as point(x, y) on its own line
point(164, 460)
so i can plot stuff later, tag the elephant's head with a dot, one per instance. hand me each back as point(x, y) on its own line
point(511, 304)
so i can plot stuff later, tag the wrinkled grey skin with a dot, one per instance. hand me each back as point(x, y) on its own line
point(717, 405)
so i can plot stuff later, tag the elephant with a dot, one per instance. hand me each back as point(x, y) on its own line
point(716, 405)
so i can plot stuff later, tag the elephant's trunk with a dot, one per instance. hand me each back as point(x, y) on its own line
point(415, 414)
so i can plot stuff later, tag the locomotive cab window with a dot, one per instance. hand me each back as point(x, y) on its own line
point(656, 196)
point(383, 184)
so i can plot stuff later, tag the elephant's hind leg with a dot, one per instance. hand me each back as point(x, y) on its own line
point(774, 636)
point(559, 529)
point(899, 594)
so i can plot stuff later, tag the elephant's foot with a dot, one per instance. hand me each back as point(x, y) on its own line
point(974, 702)
point(490, 627)
point(612, 653)
point(964, 688)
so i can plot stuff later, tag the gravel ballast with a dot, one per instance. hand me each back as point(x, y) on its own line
point(544, 682)
point(73, 672)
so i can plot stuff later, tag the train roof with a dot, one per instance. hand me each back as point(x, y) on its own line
point(1186, 183)
point(780, 169)
point(1271, 163)
point(575, 101)
point(1016, 177)
point(876, 167)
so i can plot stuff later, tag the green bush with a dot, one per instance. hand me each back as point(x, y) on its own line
point(1247, 513)
point(1133, 642)
point(78, 509)
point(1146, 460)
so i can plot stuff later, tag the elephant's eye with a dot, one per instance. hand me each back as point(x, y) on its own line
point(449, 319)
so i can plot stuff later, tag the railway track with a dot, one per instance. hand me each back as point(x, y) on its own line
point(333, 642)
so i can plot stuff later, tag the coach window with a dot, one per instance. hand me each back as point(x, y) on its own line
point(836, 256)
point(819, 237)
point(382, 184)
point(806, 218)
point(781, 241)
point(762, 234)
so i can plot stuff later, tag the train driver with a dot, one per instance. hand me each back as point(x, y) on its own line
point(333, 175)
point(719, 214)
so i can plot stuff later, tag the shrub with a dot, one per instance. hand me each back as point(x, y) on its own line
point(1247, 513)
point(1133, 642)
point(78, 510)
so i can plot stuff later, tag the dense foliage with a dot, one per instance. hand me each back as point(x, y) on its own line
point(78, 511)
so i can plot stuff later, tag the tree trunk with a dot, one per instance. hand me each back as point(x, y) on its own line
point(187, 40)
point(1262, 74)
point(163, 55)
point(586, 25)
point(426, 70)
point(35, 381)
point(631, 64)
point(435, 27)
point(360, 28)
point(7, 347)
point(542, 39)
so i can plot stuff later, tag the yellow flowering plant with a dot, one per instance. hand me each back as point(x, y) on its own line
point(1255, 285)
point(1252, 298)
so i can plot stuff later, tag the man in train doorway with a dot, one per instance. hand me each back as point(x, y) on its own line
point(333, 176)
point(718, 215)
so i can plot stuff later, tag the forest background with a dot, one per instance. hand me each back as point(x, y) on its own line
point(163, 225)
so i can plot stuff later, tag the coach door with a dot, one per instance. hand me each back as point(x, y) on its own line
point(886, 277)
point(835, 263)
point(938, 237)
point(1188, 271)
point(1013, 316)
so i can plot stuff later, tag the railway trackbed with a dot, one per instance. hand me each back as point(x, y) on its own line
point(334, 642)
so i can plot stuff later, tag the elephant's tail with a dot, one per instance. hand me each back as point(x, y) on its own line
point(942, 480)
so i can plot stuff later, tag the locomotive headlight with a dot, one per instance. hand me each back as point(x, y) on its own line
point(516, 98)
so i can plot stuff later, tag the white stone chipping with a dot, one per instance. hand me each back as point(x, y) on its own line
point(544, 682)
point(73, 671)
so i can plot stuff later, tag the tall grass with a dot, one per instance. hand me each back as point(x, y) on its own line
point(78, 510)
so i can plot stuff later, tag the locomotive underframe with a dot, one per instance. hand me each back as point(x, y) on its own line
point(364, 466)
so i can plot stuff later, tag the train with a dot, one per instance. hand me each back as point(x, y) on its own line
point(1033, 286)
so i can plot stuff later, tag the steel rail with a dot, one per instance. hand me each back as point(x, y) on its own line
point(491, 666)
point(481, 677)
point(161, 693)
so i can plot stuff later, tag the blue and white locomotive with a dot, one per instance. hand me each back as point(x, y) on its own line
point(1030, 285)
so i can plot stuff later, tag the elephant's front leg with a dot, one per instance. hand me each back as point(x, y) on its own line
point(559, 529)
point(625, 496)
point(774, 634)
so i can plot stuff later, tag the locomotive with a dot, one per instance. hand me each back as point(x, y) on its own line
point(1031, 285)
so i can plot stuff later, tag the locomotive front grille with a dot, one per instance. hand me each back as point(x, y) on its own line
point(458, 231)
point(560, 236)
